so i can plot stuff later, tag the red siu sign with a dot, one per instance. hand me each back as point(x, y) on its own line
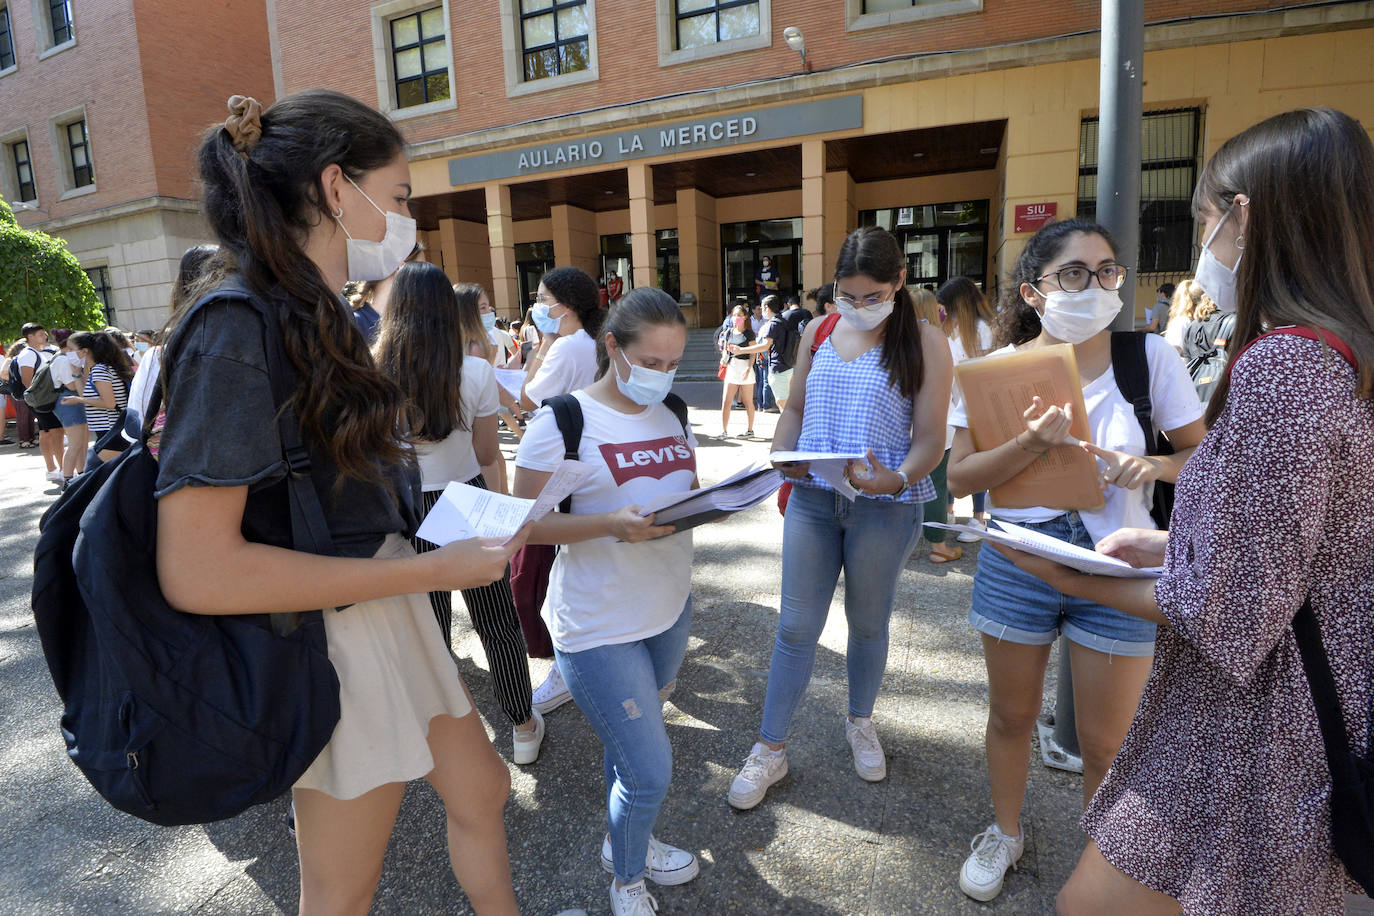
point(1030, 217)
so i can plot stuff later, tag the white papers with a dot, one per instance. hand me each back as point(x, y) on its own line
point(469, 512)
point(512, 381)
point(739, 491)
point(1052, 548)
point(828, 466)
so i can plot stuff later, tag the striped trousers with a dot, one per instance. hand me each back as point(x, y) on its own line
point(492, 610)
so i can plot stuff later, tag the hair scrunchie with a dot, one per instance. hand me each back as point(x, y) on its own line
point(244, 122)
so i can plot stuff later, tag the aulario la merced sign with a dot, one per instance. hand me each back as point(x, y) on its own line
point(793, 120)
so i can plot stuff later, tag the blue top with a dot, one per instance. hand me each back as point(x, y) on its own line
point(852, 407)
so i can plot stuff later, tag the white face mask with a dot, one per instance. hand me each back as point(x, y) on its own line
point(1074, 317)
point(1216, 279)
point(865, 317)
point(372, 261)
point(645, 386)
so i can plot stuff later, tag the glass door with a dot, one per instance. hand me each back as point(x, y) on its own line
point(532, 261)
point(743, 248)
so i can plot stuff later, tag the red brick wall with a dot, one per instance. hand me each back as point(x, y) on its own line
point(328, 43)
point(196, 55)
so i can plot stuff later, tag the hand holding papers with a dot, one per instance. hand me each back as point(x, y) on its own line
point(742, 490)
point(828, 466)
point(468, 512)
point(998, 390)
point(1051, 548)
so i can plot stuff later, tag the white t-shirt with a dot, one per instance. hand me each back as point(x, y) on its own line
point(453, 458)
point(1173, 332)
point(956, 350)
point(1114, 426)
point(32, 358)
point(503, 343)
point(64, 371)
point(604, 592)
point(569, 365)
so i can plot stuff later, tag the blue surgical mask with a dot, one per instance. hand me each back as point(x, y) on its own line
point(545, 322)
point(645, 386)
point(488, 320)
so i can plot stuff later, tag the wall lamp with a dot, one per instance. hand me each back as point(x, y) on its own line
point(793, 36)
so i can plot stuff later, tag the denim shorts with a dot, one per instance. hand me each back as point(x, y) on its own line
point(70, 414)
point(1015, 606)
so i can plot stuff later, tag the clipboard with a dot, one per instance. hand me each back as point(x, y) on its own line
point(997, 390)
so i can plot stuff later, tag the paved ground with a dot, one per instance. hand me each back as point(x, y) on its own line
point(824, 842)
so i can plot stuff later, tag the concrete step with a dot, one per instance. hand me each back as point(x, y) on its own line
point(700, 361)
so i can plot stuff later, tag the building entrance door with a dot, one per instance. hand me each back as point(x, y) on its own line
point(532, 261)
point(743, 248)
point(941, 241)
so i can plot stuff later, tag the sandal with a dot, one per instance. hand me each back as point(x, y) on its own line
point(32, 443)
point(939, 554)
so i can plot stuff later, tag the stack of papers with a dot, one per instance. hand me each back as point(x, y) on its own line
point(465, 512)
point(742, 490)
point(512, 381)
point(828, 466)
point(1051, 548)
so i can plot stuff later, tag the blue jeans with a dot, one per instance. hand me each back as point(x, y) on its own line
point(763, 395)
point(616, 687)
point(823, 533)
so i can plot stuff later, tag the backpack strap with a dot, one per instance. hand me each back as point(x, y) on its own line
point(1320, 334)
point(827, 326)
point(1317, 667)
point(567, 413)
point(679, 408)
point(1132, 371)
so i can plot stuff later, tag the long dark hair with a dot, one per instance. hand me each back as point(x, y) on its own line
point(261, 202)
point(104, 351)
point(420, 347)
point(965, 306)
point(470, 318)
point(1309, 240)
point(579, 292)
point(642, 307)
point(1018, 321)
point(873, 252)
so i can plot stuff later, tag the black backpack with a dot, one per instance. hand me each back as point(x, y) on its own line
point(1132, 371)
point(179, 718)
point(16, 380)
point(1204, 349)
point(567, 413)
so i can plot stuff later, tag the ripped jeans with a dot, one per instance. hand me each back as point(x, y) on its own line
point(616, 687)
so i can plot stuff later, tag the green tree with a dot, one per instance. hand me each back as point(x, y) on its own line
point(40, 280)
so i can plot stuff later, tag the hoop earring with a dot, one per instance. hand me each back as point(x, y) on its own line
point(338, 214)
point(1240, 243)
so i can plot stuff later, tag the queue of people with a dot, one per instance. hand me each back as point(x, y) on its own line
point(1205, 786)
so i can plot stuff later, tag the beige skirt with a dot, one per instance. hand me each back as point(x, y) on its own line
point(739, 372)
point(395, 675)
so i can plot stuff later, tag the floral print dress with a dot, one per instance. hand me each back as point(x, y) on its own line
point(1219, 796)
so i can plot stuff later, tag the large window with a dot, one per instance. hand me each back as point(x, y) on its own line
point(60, 18)
point(704, 22)
point(79, 149)
point(6, 39)
point(1168, 171)
point(23, 171)
point(419, 58)
point(100, 279)
point(554, 35)
point(941, 241)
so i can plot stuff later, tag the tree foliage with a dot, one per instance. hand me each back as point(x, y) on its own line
point(40, 280)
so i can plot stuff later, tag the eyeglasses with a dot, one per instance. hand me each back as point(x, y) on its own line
point(1074, 279)
point(546, 300)
point(865, 302)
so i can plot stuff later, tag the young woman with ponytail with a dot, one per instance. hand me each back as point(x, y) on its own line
point(303, 197)
point(878, 384)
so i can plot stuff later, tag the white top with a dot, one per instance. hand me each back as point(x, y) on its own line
point(1114, 426)
point(1173, 333)
point(956, 350)
point(503, 343)
point(31, 358)
point(569, 365)
point(453, 458)
point(141, 388)
point(605, 592)
point(64, 370)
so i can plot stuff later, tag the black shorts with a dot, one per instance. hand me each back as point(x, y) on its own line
point(47, 420)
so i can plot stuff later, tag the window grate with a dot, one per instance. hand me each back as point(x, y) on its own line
point(100, 279)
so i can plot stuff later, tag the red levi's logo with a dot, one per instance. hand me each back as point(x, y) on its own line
point(655, 458)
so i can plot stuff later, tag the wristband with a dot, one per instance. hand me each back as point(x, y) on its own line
point(906, 484)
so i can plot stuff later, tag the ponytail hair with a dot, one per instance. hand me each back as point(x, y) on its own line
point(263, 195)
point(873, 252)
point(641, 308)
point(1018, 321)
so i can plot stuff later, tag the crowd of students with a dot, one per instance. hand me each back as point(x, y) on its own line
point(1204, 778)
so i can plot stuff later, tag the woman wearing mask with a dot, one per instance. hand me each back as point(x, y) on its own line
point(1064, 290)
point(484, 340)
point(568, 314)
point(325, 183)
point(879, 383)
point(1220, 800)
point(618, 648)
point(69, 375)
point(106, 391)
point(421, 341)
point(738, 361)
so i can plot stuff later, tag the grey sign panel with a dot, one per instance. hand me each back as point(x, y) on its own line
point(795, 120)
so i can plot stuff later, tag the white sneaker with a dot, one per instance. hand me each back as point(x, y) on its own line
point(525, 745)
point(966, 537)
point(666, 865)
point(869, 761)
point(993, 853)
point(55, 476)
point(551, 694)
point(632, 900)
point(763, 767)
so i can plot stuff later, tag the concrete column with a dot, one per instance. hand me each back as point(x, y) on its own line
point(575, 240)
point(841, 218)
point(473, 263)
point(813, 213)
point(643, 246)
point(698, 245)
point(447, 255)
point(505, 289)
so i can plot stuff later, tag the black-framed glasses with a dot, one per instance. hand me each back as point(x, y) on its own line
point(1074, 278)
